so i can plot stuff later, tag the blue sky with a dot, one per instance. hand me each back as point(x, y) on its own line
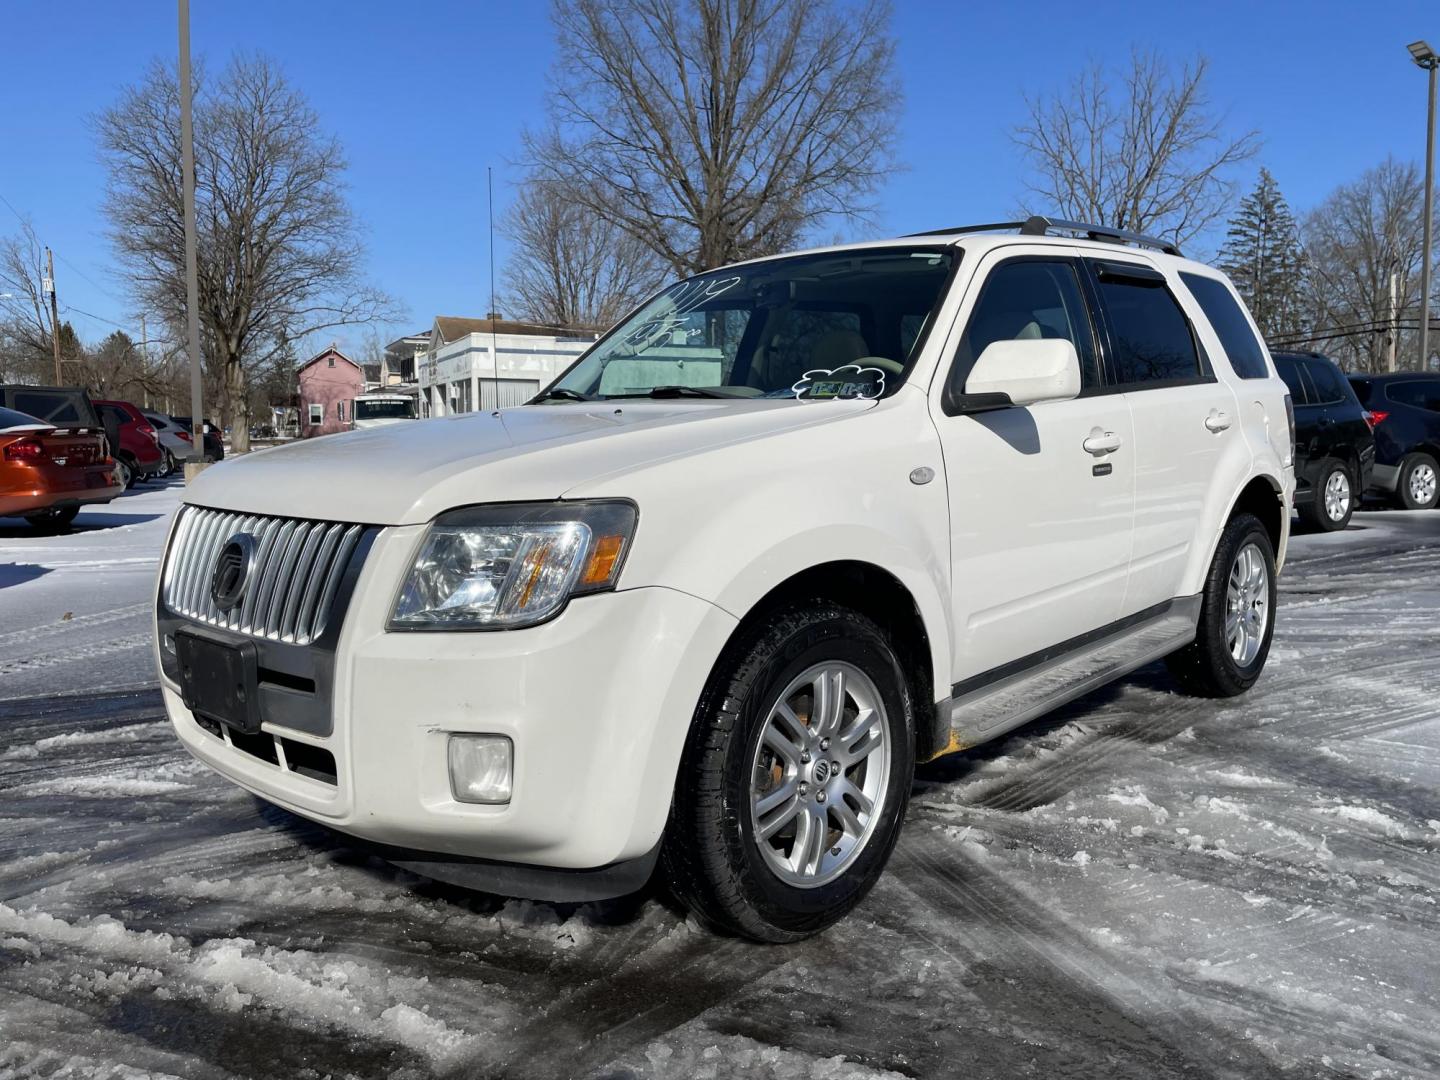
point(425, 94)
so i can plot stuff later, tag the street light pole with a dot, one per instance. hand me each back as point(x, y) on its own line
point(192, 285)
point(1427, 58)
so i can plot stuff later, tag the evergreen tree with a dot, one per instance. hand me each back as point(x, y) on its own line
point(1263, 256)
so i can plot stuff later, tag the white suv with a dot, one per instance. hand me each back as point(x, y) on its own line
point(791, 527)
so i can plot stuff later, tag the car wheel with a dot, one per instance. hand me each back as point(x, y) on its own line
point(53, 520)
point(170, 464)
point(1237, 615)
point(1333, 500)
point(127, 473)
point(795, 776)
point(1418, 488)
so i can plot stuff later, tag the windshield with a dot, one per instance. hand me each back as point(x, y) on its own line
point(394, 409)
point(842, 324)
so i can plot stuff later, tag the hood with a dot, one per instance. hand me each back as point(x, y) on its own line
point(407, 473)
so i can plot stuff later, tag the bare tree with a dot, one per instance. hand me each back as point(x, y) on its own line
point(26, 333)
point(1360, 236)
point(570, 267)
point(280, 255)
point(716, 130)
point(1144, 152)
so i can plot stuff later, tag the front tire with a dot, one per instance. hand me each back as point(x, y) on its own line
point(1419, 487)
point(1237, 615)
point(1333, 500)
point(795, 776)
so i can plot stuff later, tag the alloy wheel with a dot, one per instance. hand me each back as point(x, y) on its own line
point(820, 774)
point(1247, 605)
point(1337, 495)
point(1422, 483)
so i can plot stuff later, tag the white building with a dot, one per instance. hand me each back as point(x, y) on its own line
point(475, 364)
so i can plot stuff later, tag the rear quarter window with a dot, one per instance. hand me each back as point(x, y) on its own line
point(1421, 394)
point(1227, 317)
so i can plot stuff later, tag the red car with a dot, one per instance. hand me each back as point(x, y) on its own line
point(46, 475)
point(138, 454)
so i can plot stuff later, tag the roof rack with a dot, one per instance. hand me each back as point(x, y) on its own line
point(1043, 226)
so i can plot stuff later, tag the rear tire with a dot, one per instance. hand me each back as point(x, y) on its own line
point(1332, 501)
point(53, 521)
point(127, 472)
point(761, 758)
point(170, 464)
point(1237, 615)
point(1418, 488)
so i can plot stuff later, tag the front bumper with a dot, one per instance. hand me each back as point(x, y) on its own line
point(597, 703)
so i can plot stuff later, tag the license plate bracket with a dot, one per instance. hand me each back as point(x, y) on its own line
point(219, 679)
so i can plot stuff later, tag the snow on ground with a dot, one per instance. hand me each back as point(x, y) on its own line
point(1140, 885)
point(75, 609)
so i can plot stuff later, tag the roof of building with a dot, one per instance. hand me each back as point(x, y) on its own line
point(453, 327)
point(373, 372)
point(323, 353)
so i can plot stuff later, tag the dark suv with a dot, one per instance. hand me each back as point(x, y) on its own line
point(1406, 411)
point(1334, 445)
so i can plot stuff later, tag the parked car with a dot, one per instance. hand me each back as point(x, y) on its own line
point(1334, 440)
point(377, 408)
point(174, 439)
point(138, 451)
point(48, 473)
point(214, 446)
point(789, 528)
point(1406, 411)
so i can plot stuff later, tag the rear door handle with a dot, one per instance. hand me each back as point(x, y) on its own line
point(1217, 421)
point(1101, 442)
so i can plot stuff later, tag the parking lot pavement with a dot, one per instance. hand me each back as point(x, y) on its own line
point(1140, 885)
point(75, 609)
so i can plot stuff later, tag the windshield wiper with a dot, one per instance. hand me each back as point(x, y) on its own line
point(675, 391)
point(564, 393)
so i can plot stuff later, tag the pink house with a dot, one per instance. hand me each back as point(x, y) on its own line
point(329, 384)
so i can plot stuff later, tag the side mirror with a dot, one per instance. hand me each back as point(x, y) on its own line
point(1022, 371)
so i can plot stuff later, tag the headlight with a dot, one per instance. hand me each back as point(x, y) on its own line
point(499, 567)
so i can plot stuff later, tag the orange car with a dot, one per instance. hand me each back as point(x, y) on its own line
point(46, 474)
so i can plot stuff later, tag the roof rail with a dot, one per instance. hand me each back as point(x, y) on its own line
point(1043, 226)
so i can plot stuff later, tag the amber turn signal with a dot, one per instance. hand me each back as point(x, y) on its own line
point(604, 558)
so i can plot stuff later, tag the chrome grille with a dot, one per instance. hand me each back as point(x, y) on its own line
point(298, 566)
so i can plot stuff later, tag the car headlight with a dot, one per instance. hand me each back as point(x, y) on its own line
point(503, 566)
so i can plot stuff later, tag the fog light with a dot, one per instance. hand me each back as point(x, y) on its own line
point(480, 768)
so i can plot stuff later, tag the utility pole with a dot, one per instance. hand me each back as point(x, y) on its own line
point(1427, 58)
point(1394, 322)
point(49, 284)
point(192, 285)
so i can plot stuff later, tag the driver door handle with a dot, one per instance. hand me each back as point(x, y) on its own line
point(1217, 421)
point(1101, 442)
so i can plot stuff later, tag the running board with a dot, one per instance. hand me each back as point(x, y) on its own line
point(991, 704)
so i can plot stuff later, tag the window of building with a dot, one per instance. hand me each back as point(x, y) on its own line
point(1149, 333)
point(330, 361)
point(1247, 355)
point(317, 414)
point(1029, 298)
point(340, 410)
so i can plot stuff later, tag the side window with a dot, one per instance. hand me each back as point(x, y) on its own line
point(1029, 298)
point(1247, 355)
point(1422, 395)
point(317, 413)
point(1294, 378)
point(1149, 333)
point(340, 411)
point(1328, 382)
